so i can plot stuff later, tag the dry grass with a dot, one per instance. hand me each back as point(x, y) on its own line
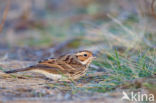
point(122, 36)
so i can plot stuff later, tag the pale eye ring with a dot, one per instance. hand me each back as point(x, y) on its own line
point(85, 55)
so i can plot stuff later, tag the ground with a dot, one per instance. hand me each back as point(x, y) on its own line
point(121, 35)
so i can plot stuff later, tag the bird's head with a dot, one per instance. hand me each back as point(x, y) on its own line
point(85, 57)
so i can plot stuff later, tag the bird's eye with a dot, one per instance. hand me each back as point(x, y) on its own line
point(85, 55)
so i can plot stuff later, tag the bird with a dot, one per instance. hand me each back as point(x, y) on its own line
point(67, 67)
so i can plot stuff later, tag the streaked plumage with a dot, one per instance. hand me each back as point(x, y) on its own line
point(66, 67)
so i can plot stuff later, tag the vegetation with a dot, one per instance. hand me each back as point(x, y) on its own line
point(121, 36)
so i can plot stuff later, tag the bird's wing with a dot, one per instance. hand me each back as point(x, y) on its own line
point(55, 66)
point(50, 65)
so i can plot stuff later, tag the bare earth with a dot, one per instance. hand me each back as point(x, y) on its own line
point(30, 87)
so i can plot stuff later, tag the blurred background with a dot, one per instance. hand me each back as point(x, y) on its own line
point(122, 33)
point(82, 23)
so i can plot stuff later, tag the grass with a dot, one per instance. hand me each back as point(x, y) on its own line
point(137, 60)
point(124, 69)
point(121, 69)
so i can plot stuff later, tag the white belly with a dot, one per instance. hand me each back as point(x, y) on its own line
point(50, 75)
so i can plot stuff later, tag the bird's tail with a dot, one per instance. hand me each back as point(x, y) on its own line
point(18, 70)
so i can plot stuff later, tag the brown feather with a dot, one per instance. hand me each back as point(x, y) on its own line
point(70, 65)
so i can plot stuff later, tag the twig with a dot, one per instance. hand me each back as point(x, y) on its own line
point(4, 16)
point(152, 8)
